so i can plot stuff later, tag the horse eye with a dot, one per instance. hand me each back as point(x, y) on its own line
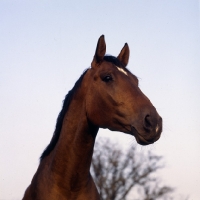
point(107, 78)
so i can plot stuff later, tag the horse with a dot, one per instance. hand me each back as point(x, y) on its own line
point(105, 96)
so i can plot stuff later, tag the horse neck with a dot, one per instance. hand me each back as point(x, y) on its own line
point(71, 159)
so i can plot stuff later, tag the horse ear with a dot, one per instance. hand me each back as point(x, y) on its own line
point(123, 57)
point(100, 52)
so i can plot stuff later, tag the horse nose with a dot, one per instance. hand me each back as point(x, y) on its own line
point(148, 123)
point(152, 122)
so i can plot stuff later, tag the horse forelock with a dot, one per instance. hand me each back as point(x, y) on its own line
point(113, 60)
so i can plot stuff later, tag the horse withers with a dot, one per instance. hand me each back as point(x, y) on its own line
point(105, 96)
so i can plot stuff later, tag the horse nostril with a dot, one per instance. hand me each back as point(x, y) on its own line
point(147, 122)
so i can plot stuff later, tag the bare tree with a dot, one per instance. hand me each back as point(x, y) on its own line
point(117, 173)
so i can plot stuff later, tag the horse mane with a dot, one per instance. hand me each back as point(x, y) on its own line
point(61, 116)
point(66, 104)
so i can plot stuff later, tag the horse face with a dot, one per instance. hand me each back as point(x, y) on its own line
point(115, 101)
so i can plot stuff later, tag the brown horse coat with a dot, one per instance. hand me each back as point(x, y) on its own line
point(107, 96)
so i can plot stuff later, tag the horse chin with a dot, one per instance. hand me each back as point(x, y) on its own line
point(140, 139)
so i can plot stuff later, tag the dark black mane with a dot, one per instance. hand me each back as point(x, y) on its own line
point(66, 104)
point(61, 115)
point(113, 60)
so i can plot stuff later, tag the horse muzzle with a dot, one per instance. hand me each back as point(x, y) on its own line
point(149, 133)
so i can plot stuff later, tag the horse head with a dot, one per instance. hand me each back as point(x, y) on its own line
point(115, 101)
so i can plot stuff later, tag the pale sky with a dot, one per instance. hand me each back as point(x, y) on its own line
point(46, 45)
